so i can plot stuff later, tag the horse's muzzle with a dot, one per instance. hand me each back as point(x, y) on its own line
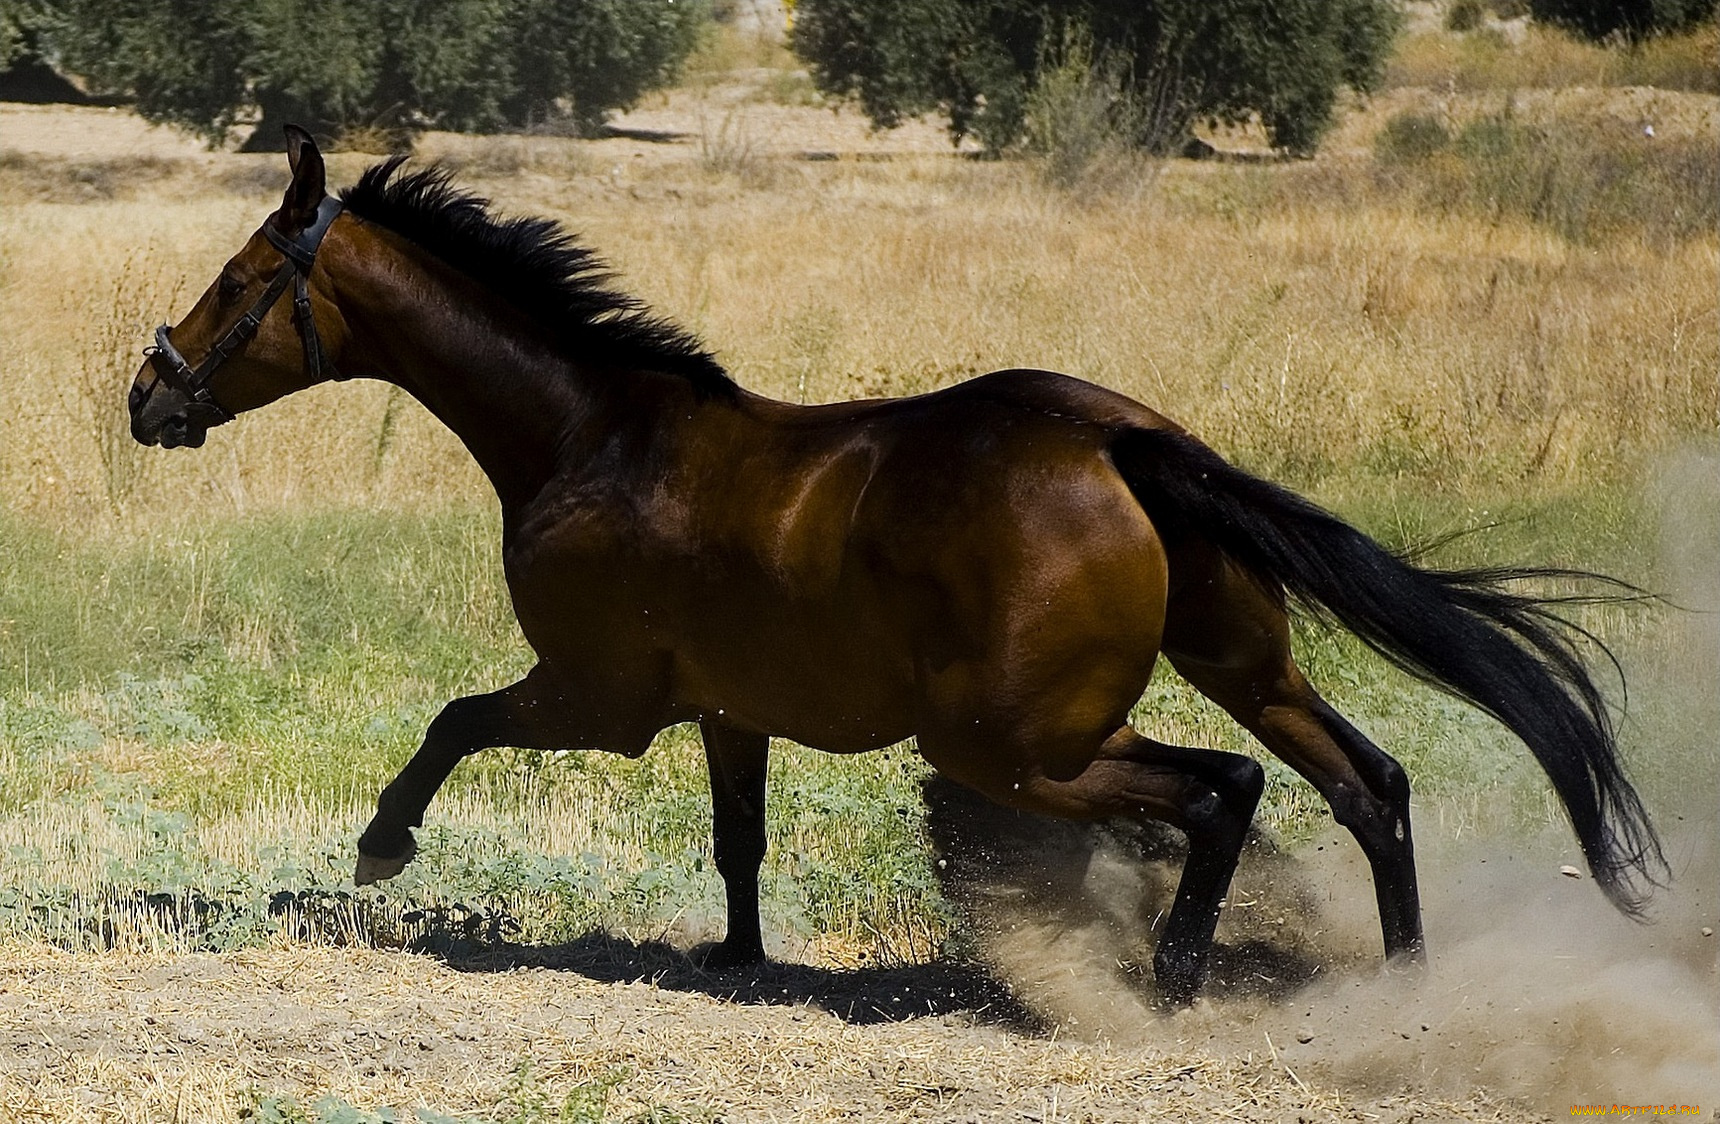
point(161, 415)
point(178, 431)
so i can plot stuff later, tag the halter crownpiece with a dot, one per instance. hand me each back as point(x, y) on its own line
point(301, 254)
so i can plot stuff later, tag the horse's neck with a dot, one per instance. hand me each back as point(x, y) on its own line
point(520, 408)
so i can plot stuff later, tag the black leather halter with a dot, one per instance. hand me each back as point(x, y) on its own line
point(301, 253)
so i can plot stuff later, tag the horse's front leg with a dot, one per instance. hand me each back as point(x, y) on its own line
point(530, 714)
point(738, 762)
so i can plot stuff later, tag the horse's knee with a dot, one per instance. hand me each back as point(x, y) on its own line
point(1245, 778)
point(1390, 781)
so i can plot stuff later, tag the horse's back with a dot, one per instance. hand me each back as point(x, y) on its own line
point(1057, 395)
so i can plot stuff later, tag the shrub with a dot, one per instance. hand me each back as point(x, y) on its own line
point(1084, 113)
point(1465, 15)
point(1409, 138)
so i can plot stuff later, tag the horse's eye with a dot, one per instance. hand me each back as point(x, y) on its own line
point(229, 287)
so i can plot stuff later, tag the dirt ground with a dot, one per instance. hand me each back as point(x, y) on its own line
point(1537, 996)
point(194, 1038)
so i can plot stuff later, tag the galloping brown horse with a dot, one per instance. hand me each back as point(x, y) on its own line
point(991, 570)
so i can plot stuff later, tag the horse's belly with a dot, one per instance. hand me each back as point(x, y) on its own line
point(845, 699)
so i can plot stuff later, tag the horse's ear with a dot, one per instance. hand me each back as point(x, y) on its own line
point(310, 183)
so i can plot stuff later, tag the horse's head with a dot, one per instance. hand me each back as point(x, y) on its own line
point(237, 350)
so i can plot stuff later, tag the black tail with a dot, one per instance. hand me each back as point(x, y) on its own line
point(1464, 631)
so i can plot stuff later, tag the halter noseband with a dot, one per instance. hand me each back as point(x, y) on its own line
point(301, 253)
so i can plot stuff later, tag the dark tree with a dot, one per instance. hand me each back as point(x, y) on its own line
point(584, 59)
point(180, 59)
point(1633, 19)
point(397, 65)
point(1187, 60)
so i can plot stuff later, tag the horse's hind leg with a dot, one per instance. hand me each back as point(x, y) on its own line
point(1365, 786)
point(1208, 794)
point(1232, 642)
point(530, 714)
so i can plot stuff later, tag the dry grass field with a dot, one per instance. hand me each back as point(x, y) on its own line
point(1317, 321)
point(1518, 321)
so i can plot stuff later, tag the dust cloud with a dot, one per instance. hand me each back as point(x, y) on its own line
point(1535, 988)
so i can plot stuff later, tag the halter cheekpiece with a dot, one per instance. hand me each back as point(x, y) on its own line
point(300, 253)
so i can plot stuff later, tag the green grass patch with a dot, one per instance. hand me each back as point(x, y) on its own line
point(193, 752)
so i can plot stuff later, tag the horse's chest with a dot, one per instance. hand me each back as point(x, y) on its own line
point(589, 602)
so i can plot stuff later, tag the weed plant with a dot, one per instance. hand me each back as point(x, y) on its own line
point(1086, 123)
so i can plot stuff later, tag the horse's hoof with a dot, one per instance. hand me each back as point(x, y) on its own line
point(1179, 980)
point(724, 957)
point(1176, 998)
point(1412, 955)
point(372, 869)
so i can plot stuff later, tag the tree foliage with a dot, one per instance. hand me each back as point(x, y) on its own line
point(1631, 19)
point(474, 65)
point(14, 31)
point(1188, 60)
point(21, 23)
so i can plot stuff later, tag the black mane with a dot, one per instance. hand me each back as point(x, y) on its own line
point(536, 266)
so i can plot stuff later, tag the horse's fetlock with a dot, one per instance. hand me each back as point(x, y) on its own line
point(1212, 819)
point(734, 864)
point(386, 839)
